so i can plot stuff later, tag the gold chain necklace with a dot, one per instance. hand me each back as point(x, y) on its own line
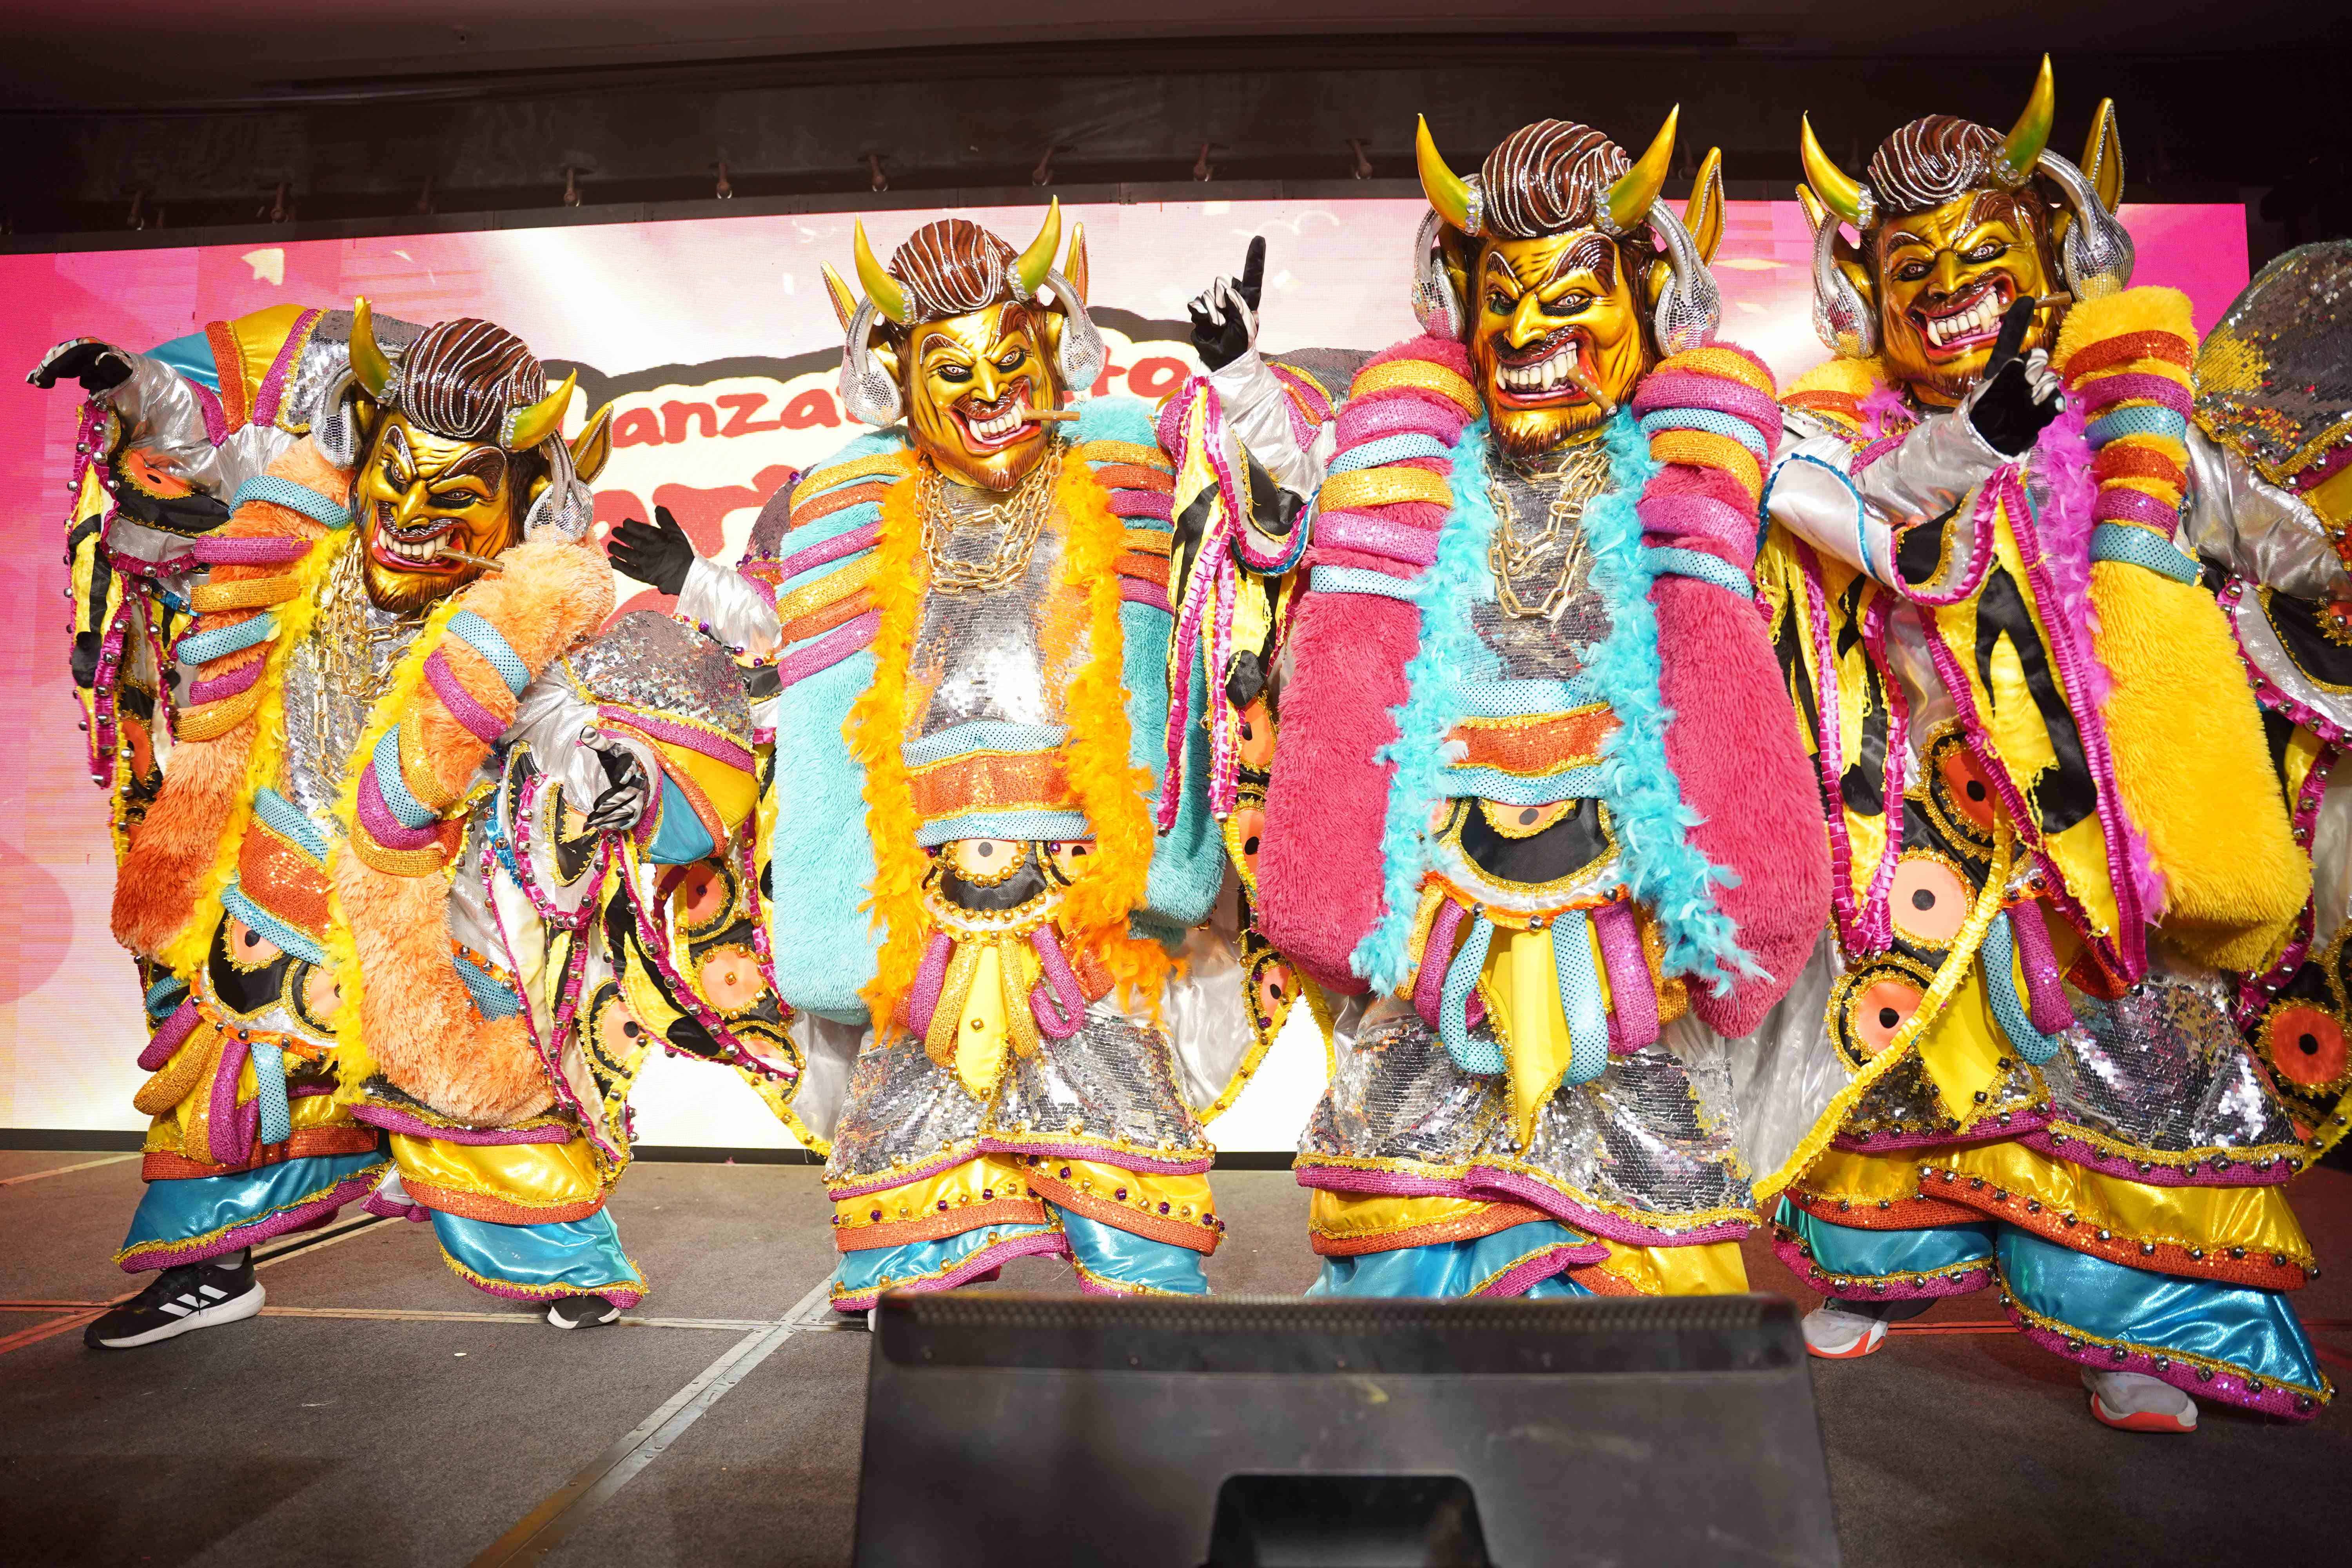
point(1581, 476)
point(351, 645)
point(1021, 515)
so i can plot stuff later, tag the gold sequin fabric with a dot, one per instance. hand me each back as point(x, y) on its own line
point(2275, 376)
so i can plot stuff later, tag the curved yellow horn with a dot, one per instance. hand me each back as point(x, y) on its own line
point(527, 427)
point(1838, 192)
point(1630, 197)
point(2022, 148)
point(1447, 191)
point(1029, 268)
point(888, 295)
point(370, 368)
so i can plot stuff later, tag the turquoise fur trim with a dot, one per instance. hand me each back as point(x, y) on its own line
point(286, 820)
point(1645, 801)
point(486, 640)
point(824, 939)
point(1360, 580)
point(1646, 806)
point(2141, 420)
point(2138, 547)
point(1997, 957)
point(218, 642)
point(324, 511)
point(298, 943)
point(1188, 861)
point(493, 998)
point(1030, 826)
point(1448, 650)
point(977, 736)
point(1702, 567)
point(406, 808)
point(1523, 789)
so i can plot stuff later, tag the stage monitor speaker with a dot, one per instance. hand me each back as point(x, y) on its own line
point(1254, 1432)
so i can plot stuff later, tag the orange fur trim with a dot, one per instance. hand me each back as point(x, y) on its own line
point(181, 855)
point(421, 1029)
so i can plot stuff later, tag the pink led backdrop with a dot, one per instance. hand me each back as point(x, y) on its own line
point(715, 339)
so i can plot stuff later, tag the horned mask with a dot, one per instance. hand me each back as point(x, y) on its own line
point(1955, 220)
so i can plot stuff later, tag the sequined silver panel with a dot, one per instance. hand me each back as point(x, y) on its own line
point(1655, 1132)
point(1116, 1078)
point(335, 678)
point(648, 660)
point(767, 539)
point(328, 354)
point(978, 652)
point(2275, 373)
point(2163, 1070)
point(1530, 649)
point(1904, 1102)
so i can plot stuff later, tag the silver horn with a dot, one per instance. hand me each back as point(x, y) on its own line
point(1434, 305)
point(1082, 355)
point(1690, 308)
point(2097, 253)
point(868, 395)
point(1842, 319)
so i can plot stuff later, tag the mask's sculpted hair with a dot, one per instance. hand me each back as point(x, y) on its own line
point(1547, 178)
point(1932, 161)
point(952, 268)
point(461, 378)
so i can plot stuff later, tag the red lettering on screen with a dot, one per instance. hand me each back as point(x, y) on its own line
point(675, 416)
point(740, 407)
point(1156, 377)
point(636, 428)
point(811, 408)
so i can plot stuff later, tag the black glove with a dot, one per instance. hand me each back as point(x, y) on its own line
point(100, 367)
point(2017, 396)
point(658, 557)
point(621, 804)
point(1224, 315)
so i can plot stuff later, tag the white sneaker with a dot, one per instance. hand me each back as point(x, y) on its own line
point(179, 1301)
point(582, 1312)
point(2135, 1402)
point(1833, 1335)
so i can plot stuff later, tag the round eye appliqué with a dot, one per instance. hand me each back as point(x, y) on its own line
point(1881, 1011)
point(2307, 1047)
point(1929, 902)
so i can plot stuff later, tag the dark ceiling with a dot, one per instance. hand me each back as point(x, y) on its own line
point(205, 113)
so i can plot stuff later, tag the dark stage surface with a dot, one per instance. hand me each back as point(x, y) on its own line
point(380, 1412)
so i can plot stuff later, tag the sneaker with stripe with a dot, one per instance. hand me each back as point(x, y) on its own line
point(192, 1296)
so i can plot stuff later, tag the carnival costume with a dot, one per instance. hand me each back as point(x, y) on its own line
point(2057, 829)
point(969, 619)
point(386, 801)
point(1538, 789)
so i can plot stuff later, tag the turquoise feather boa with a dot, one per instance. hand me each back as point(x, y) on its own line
point(1662, 870)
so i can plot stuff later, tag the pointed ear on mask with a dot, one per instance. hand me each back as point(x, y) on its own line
point(1703, 214)
point(2103, 156)
point(1850, 259)
point(592, 447)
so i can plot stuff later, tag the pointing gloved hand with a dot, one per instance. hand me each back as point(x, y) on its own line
point(1224, 314)
point(2017, 396)
point(659, 554)
point(100, 367)
point(622, 804)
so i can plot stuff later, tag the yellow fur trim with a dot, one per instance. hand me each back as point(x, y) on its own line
point(2194, 769)
point(1859, 378)
point(2143, 310)
point(1111, 792)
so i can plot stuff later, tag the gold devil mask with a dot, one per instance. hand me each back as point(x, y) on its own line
point(1549, 254)
point(1954, 230)
point(456, 451)
point(952, 335)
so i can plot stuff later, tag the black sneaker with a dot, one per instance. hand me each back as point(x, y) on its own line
point(582, 1312)
point(192, 1296)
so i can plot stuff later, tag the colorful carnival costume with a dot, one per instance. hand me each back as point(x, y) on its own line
point(2056, 827)
point(392, 775)
point(968, 620)
point(1538, 788)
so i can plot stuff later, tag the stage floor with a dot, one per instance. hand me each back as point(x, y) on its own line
point(379, 1411)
